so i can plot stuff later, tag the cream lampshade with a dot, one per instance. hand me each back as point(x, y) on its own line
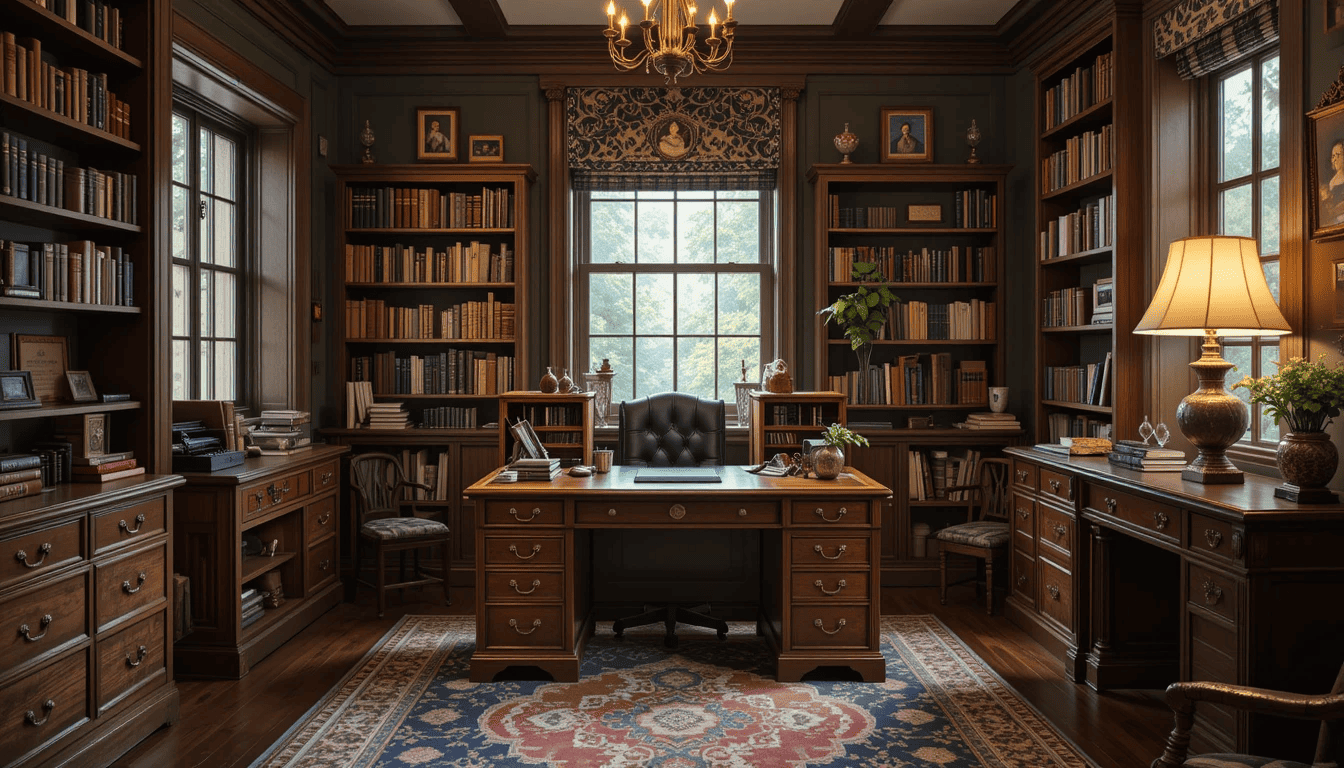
point(1213, 286)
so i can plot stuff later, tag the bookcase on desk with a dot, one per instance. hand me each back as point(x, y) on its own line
point(564, 422)
point(780, 422)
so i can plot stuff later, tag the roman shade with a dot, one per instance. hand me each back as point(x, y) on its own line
point(1206, 35)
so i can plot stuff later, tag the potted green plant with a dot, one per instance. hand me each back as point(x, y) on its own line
point(861, 315)
point(828, 460)
point(1306, 396)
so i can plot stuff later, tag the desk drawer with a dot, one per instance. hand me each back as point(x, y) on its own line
point(1024, 577)
point(1056, 485)
point(829, 586)
point(517, 550)
point(128, 584)
point(127, 525)
point(326, 476)
point(1024, 475)
point(1055, 534)
point(29, 555)
point(56, 696)
point(826, 626)
point(829, 550)
point(1212, 591)
point(1219, 538)
point(1160, 520)
point(524, 626)
point(1055, 596)
point(321, 564)
point(319, 520)
point(1024, 515)
point(686, 513)
point(524, 586)
point(35, 622)
point(129, 658)
point(826, 513)
point(530, 513)
point(262, 497)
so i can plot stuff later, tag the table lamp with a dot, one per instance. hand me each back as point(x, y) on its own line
point(1213, 286)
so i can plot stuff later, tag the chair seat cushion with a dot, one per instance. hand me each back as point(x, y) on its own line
point(1239, 761)
point(402, 528)
point(985, 533)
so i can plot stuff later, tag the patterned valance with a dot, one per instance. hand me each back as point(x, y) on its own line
point(673, 138)
point(1207, 35)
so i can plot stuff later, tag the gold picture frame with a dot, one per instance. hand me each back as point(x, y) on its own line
point(1325, 161)
point(46, 358)
point(907, 135)
point(81, 387)
point(485, 149)
point(436, 131)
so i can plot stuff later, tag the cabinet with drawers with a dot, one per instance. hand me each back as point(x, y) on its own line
point(290, 504)
point(85, 663)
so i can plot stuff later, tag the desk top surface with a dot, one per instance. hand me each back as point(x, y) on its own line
point(737, 482)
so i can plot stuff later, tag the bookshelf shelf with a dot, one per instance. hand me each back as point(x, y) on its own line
point(900, 285)
point(913, 231)
point(430, 231)
point(253, 566)
point(9, 302)
point(1100, 255)
point(1093, 182)
point(1077, 406)
point(1093, 116)
point(1091, 328)
point(920, 342)
point(67, 410)
point(13, 208)
point(463, 285)
point(356, 340)
point(31, 120)
point(77, 45)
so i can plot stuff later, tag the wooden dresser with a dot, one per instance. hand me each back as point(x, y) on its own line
point(85, 603)
point(291, 500)
point(1140, 579)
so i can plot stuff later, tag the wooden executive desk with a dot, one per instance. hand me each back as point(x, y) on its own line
point(820, 555)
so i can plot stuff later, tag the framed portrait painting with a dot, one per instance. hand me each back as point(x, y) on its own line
point(907, 135)
point(485, 149)
point(436, 133)
point(1334, 15)
point(1325, 145)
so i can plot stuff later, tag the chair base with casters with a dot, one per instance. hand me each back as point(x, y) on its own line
point(670, 616)
point(985, 534)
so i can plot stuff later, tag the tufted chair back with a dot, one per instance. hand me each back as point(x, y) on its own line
point(672, 429)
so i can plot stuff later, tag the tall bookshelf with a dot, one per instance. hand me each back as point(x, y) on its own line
point(1089, 133)
point(937, 232)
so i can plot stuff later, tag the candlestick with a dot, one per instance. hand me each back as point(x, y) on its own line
point(611, 15)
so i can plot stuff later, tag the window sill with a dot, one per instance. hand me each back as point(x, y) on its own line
point(1260, 460)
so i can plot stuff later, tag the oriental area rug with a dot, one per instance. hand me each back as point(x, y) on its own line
point(703, 705)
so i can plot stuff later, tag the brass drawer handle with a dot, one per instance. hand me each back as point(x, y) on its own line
point(839, 585)
point(1213, 538)
point(676, 511)
point(326, 478)
point(1024, 514)
point(325, 565)
point(839, 625)
point(1053, 590)
point(1054, 486)
point(139, 584)
point(139, 523)
point(838, 514)
point(514, 623)
point(277, 493)
point(139, 657)
point(1022, 580)
point(1161, 519)
point(611, 512)
point(43, 550)
point(535, 549)
point(1238, 543)
point(30, 717)
point(839, 552)
point(514, 511)
point(1110, 504)
point(1022, 475)
point(514, 583)
point(260, 496)
point(27, 633)
point(323, 520)
point(742, 512)
point(1213, 594)
point(1060, 529)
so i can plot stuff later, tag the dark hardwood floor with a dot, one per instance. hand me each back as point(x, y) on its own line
point(227, 724)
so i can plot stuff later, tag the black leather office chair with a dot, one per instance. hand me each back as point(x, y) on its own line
point(672, 429)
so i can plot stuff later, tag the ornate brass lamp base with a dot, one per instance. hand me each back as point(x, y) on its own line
point(1212, 418)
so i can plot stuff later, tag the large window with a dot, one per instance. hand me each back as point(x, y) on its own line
point(209, 257)
point(1246, 198)
point(676, 289)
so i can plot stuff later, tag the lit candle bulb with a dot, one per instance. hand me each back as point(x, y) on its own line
point(624, 21)
point(690, 15)
point(729, 3)
point(646, 8)
point(611, 15)
point(712, 22)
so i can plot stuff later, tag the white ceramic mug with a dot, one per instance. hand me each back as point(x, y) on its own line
point(998, 399)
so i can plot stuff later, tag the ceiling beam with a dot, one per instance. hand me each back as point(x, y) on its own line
point(481, 18)
point(859, 18)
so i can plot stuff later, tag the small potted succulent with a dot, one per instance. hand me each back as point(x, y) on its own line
point(828, 460)
point(1305, 396)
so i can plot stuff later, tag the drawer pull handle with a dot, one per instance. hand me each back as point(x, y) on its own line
point(1213, 538)
point(326, 478)
point(323, 520)
point(1054, 486)
point(325, 565)
point(514, 583)
point(139, 523)
point(839, 585)
point(535, 511)
point(1024, 514)
point(260, 496)
point(1213, 594)
point(839, 552)
point(742, 512)
point(1161, 519)
point(839, 513)
point(1053, 590)
point(839, 625)
point(277, 493)
point(1022, 580)
point(1060, 529)
point(139, 657)
point(27, 633)
point(1238, 542)
point(139, 584)
point(1021, 475)
point(676, 511)
point(1110, 504)
point(43, 550)
point(535, 549)
point(30, 717)
point(514, 623)
point(611, 512)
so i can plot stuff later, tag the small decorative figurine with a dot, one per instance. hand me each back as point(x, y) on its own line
point(973, 138)
point(566, 384)
point(846, 142)
point(1162, 434)
point(366, 138)
point(1146, 430)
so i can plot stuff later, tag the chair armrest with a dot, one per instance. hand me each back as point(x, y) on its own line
point(1325, 706)
point(396, 493)
point(952, 488)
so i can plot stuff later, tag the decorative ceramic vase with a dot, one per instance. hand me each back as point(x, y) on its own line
point(566, 384)
point(973, 138)
point(827, 461)
point(846, 142)
point(366, 138)
point(599, 383)
point(1307, 459)
point(549, 385)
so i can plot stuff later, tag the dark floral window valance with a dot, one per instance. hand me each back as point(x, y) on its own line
point(1206, 35)
point(673, 138)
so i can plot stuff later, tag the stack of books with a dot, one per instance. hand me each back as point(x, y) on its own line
point(252, 607)
point(389, 416)
point(1132, 454)
point(536, 469)
point(20, 475)
point(990, 420)
point(105, 468)
point(282, 432)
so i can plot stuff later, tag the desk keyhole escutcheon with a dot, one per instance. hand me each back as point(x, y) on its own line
point(676, 511)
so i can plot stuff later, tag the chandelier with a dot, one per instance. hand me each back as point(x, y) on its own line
point(669, 42)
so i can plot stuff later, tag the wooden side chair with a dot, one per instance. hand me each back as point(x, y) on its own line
point(388, 522)
point(986, 532)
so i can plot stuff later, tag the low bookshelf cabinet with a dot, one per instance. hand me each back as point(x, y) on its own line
point(563, 421)
point(780, 422)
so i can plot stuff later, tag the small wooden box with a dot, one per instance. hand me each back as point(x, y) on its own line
point(87, 433)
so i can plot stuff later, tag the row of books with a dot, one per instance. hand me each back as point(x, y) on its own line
point(971, 208)
point(79, 272)
point(907, 381)
point(387, 415)
point(281, 432)
point(1147, 458)
point(1089, 384)
point(71, 92)
point(454, 372)
point(776, 438)
point(472, 262)
point(1091, 226)
point(1078, 91)
point(98, 18)
point(426, 467)
point(1065, 307)
point(958, 264)
point(975, 209)
point(535, 469)
point(974, 320)
point(1060, 425)
point(449, 417)
point(988, 420)
point(253, 608)
point(373, 319)
point(428, 208)
point(1083, 157)
point(551, 415)
point(931, 472)
point(800, 413)
point(37, 178)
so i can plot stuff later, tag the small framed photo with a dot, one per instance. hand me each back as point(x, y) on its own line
point(81, 387)
point(1325, 150)
point(485, 149)
point(436, 133)
point(16, 390)
point(46, 358)
point(907, 135)
point(1334, 15)
point(1103, 300)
